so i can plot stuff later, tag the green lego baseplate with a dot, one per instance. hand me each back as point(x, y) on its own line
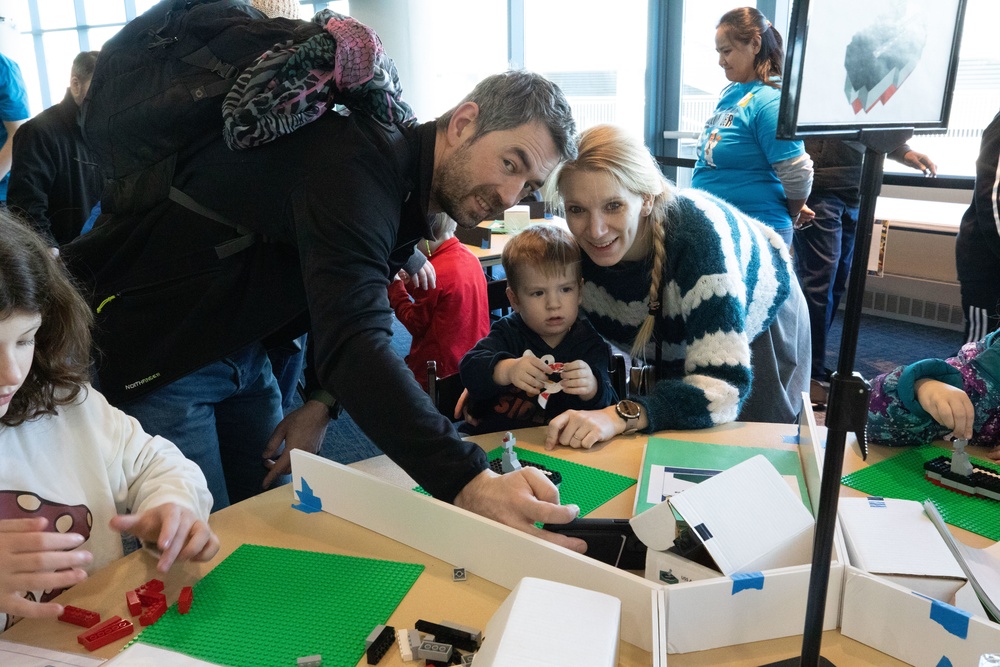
point(902, 476)
point(587, 488)
point(266, 606)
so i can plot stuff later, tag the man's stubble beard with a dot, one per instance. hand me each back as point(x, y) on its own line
point(453, 187)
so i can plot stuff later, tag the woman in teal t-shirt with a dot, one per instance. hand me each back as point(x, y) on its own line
point(13, 114)
point(739, 158)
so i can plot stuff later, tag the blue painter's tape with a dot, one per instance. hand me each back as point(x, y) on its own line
point(944, 662)
point(308, 501)
point(952, 619)
point(747, 580)
point(790, 439)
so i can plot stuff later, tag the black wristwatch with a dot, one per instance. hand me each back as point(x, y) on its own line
point(630, 412)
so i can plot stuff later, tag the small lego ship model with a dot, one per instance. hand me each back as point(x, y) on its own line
point(509, 461)
point(553, 475)
point(957, 473)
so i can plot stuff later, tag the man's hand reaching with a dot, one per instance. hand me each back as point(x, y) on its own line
point(520, 500)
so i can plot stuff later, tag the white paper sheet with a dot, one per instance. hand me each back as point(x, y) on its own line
point(748, 517)
point(982, 566)
point(893, 536)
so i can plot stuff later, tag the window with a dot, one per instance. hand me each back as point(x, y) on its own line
point(976, 99)
point(702, 80)
point(595, 51)
point(440, 51)
point(52, 32)
point(47, 35)
point(309, 8)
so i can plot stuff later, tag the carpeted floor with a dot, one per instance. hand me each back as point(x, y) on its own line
point(884, 344)
point(345, 442)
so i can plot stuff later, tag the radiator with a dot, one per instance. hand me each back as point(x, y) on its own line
point(927, 302)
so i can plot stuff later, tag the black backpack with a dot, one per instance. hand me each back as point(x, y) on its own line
point(158, 86)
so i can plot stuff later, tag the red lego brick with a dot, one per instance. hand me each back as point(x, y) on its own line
point(149, 599)
point(152, 586)
point(100, 635)
point(153, 613)
point(133, 602)
point(78, 616)
point(184, 600)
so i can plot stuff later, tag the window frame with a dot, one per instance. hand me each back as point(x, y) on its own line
point(663, 63)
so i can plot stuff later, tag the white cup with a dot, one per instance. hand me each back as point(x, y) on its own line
point(516, 218)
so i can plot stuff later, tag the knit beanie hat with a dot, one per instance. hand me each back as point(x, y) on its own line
point(288, 9)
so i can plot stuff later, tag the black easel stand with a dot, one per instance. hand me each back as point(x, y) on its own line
point(847, 408)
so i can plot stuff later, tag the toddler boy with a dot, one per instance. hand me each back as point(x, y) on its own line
point(544, 358)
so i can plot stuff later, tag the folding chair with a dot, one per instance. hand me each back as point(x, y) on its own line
point(496, 297)
point(444, 392)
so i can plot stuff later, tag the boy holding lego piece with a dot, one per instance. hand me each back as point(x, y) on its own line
point(544, 358)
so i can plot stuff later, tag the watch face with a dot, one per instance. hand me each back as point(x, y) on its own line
point(628, 409)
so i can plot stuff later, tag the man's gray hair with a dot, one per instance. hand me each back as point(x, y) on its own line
point(83, 65)
point(518, 97)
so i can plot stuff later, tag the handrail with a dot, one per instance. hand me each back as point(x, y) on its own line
point(919, 181)
point(676, 161)
point(914, 180)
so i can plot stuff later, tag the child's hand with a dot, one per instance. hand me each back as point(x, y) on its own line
point(578, 379)
point(948, 405)
point(425, 278)
point(175, 531)
point(528, 373)
point(462, 409)
point(35, 560)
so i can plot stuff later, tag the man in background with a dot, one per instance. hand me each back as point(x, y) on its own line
point(977, 248)
point(54, 183)
point(824, 248)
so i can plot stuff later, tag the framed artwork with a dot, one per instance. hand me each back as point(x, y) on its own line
point(855, 65)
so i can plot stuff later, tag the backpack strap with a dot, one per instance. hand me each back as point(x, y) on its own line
point(223, 250)
point(205, 59)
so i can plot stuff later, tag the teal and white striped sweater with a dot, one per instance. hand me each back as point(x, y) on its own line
point(725, 277)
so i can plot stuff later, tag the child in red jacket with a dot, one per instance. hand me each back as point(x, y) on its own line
point(447, 320)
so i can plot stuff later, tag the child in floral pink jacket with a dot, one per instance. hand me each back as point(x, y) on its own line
point(935, 398)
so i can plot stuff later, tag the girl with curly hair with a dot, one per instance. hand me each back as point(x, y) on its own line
point(76, 471)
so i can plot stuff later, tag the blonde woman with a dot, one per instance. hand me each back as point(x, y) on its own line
point(688, 284)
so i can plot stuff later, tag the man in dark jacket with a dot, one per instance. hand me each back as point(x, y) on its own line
point(343, 201)
point(54, 183)
point(977, 248)
point(824, 248)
